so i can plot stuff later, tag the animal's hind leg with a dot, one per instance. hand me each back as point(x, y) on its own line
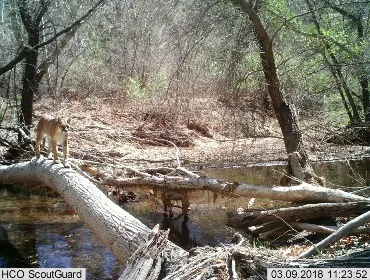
point(65, 153)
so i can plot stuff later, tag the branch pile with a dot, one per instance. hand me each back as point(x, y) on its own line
point(158, 130)
point(276, 223)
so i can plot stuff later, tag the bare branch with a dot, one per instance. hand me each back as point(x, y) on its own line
point(355, 223)
point(23, 53)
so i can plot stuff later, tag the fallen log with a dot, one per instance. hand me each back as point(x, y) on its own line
point(252, 217)
point(275, 223)
point(299, 193)
point(116, 228)
point(289, 231)
point(326, 229)
point(337, 235)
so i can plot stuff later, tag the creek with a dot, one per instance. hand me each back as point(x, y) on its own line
point(37, 229)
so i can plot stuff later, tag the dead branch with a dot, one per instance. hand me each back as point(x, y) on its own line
point(95, 126)
point(253, 217)
point(325, 229)
point(340, 233)
point(82, 173)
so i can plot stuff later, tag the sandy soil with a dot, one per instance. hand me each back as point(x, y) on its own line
point(105, 128)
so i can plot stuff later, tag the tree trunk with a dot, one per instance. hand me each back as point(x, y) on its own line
point(116, 228)
point(363, 76)
point(284, 111)
point(339, 87)
point(32, 25)
point(29, 83)
point(364, 82)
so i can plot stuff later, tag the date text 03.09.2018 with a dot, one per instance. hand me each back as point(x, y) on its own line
point(317, 273)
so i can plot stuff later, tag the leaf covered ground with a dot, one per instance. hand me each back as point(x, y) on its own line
point(143, 135)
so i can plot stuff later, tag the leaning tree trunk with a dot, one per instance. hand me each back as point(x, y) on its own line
point(284, 111)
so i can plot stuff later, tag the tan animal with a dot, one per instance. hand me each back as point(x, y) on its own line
point(56, 130)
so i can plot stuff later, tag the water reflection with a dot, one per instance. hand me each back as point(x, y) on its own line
point(338, 173)
point(9, 254)
point(346, 173)
point(39, 231)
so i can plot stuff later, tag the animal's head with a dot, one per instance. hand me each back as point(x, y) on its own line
point(64, 124)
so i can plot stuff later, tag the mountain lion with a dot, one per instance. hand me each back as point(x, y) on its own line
point(56, 130)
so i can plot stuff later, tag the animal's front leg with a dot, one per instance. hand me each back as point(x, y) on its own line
point(65, 153)
point(38, 143)
point(39, 140)
point(55, 150)
point(49, 148)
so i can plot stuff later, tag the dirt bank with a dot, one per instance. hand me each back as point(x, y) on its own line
point(109, 128)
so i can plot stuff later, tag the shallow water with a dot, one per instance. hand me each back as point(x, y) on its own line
point(43, 232)
point(336, 173)
point(40, 231)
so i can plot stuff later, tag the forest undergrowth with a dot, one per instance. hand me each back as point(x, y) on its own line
point(206, 132)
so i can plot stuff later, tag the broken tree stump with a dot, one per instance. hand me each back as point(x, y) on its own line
point(147, 260)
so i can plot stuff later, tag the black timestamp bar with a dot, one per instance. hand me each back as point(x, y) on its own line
point(317, 273)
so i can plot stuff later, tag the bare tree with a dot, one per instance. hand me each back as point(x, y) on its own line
point(31, 18)
point(285, 112)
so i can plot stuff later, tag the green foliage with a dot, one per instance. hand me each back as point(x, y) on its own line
point(334, 110)
point(251, 64)
point(158, 83)
point(299, 47)
point(284, 11)
point(92, 100)
point(135, 90)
